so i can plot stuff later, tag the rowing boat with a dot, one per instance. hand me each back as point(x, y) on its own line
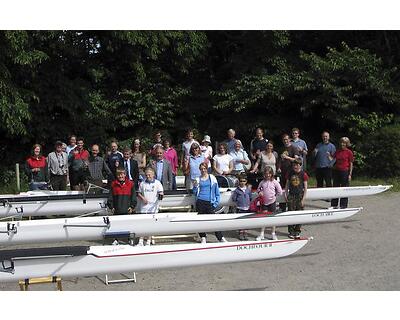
point(126, 226)
point(99, 260)
point(50, 204)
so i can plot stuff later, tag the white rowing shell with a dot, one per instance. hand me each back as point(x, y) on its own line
point(95, 228)
point(98, 205)
point(101, 260)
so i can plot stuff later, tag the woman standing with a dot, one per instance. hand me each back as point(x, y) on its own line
point(36, 169)
point(140, 156)
point(171, 156)
point(342, 170)
point(207, 194)
point(267, 158)
point(191, 165)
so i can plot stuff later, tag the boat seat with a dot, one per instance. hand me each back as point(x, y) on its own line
point(42, 252)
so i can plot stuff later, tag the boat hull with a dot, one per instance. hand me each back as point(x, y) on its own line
point(101, 260)
point(97, 228)
point(17, 206)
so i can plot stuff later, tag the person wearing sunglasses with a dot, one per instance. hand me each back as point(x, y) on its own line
point(191, 165)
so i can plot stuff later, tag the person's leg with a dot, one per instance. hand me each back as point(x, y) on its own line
point(336, 183)
point(319, 177)
point(328, 177)
point(173, 182)
point(201, 208)
point(291, 204)
point(344, 182)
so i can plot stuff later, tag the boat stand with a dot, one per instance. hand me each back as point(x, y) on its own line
point(24, 284)
point(107, 281)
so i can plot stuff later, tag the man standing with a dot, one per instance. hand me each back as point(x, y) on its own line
point(114, 159)
point(323, 153)
point(257, 145)
point(58, 168)
point(231, 140)
point(131, 167)
point(98, 168)
point(79, 161)
point(301, 145)
point(162, 169)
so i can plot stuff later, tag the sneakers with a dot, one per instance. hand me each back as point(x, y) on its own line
point(203, 240)
point(294, 236)
point(148, 242)
point(291, 235)
point(115, 242)
point(260, 237)
point(223, 240)
point(273, 236)
point(140, 243)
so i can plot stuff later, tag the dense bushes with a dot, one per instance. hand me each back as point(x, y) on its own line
point(382, 152)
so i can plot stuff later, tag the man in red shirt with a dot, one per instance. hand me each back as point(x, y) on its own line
point(78, 163)
point(342, 170)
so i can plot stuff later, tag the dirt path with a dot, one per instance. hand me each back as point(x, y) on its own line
point(361, 253)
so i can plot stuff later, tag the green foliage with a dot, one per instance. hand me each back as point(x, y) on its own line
point(384, 150)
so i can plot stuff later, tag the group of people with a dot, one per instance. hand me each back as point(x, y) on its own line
point(138, 178)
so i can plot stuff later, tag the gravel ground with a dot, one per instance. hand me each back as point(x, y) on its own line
point(361, 253)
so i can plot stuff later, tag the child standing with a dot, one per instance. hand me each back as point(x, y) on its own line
point(122, 198)
point(241, 196)
point(295, 192)
point(269, 189)
point(149, 193)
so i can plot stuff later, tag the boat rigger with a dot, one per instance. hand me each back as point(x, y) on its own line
point(100, 260)
point(126, 226)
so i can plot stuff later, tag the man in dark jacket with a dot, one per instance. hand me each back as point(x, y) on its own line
point(131, 167)
point(122, 199)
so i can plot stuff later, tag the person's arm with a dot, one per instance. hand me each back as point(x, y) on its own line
point(170, 178)
point(246, 159)
point(135, 173)
point(287, 189)
point(215, 167)
point(46, 171)
point(133, 199)
point(217, 195)
point(278, 188)
point(110, 201)
point(255, 167)
point(305, 193)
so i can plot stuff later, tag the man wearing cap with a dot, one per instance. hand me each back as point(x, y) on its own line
point(58, 167)
point(207, 150)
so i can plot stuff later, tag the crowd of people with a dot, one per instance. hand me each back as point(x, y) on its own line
point(138, 177)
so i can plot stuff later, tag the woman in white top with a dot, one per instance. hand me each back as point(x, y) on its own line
point(223, 162)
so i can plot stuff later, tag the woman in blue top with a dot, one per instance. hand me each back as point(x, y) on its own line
point(206, 190)
point(191, 165)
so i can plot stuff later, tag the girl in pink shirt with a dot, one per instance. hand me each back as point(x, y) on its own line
point(269, 189)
